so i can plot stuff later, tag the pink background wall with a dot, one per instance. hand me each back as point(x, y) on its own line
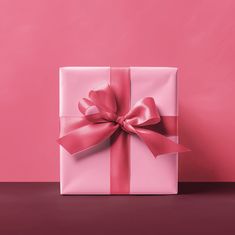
point(38, 36)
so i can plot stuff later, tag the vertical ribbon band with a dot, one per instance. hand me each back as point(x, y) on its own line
point(120, 140)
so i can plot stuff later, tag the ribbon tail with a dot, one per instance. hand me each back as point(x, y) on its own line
point(87, 136)
point(159, 144)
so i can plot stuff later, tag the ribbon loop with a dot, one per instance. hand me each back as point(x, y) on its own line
point(104, 98)
point(143, 113)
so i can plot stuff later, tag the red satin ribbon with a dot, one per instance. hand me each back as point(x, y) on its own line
point(120, 140)
point(107, 114)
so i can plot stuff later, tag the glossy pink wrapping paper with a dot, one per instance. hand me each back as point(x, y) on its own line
point(89, 172)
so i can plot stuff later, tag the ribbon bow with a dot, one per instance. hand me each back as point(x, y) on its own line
point(100, 121)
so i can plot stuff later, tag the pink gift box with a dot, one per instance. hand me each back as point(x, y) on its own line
point(88, 172)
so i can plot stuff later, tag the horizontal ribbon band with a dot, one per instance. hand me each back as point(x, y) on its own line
point(167, 126)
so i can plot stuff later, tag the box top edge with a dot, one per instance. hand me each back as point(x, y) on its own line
point(94, 67)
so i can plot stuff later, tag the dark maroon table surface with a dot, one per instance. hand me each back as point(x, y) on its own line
point(37, 208)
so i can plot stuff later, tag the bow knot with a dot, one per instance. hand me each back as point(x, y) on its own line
point(123, 123)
